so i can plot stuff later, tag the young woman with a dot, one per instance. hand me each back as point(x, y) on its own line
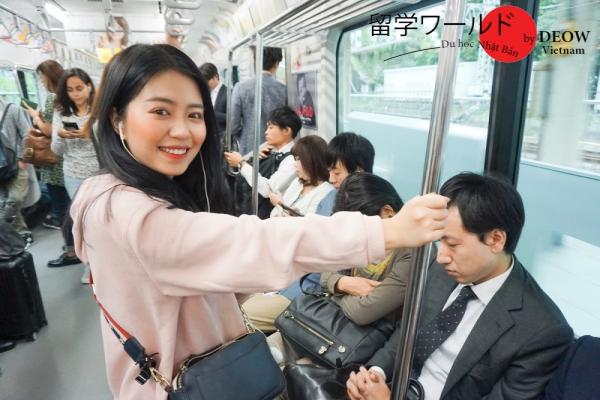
point(305, 193)
point(154, 231)
point(377, 290)
point(116, 40)
point(74, 98)
point(50, 73)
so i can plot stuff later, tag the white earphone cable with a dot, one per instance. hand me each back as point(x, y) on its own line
point(123, 142)
point(205, 183)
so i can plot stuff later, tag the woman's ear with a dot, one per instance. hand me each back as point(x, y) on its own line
point(114, 119)
point(386, 212)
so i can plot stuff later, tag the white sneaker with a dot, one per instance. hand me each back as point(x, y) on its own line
point(85, 279)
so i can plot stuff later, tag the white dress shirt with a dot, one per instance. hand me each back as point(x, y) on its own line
point(280, 180)
point(308, 203)
point(437, 366)
point(215, 92)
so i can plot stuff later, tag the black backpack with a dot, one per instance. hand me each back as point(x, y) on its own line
point(243, 191)
point(9, 166)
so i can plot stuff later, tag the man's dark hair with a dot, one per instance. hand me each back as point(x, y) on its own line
point(367, 194)
point(487, 202)
point(271, 55)
point(285, 117)
point(352, 151)
point(209, 71)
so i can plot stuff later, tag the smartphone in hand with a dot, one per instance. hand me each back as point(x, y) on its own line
point(29, 103)
point(71, 126)
point(292, 211)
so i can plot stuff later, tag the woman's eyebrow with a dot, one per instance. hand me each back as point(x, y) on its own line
point(169, 101)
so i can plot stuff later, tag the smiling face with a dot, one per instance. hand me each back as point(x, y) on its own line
point(466, 258)
point(116, 36)
point(164, 125)
point(78, 91)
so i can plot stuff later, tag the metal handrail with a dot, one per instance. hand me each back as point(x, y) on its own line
point(438, 132)
point(257, 120)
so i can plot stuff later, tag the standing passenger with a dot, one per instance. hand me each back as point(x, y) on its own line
point(242, 101)
point(164, 268)
point(50, 73)
point(218, 94)
point(13, 191)
point(73, 100)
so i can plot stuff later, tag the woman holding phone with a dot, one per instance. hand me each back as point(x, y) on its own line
point(74, 98)
point(304, 193)
point(154, 229)
point(50, 73)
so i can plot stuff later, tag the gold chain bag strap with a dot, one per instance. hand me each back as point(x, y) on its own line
point(207, 376)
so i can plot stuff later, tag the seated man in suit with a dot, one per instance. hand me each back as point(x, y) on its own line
point(487, 330)
point(218, 94)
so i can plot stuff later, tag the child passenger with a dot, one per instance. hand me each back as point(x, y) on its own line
point(154, 230)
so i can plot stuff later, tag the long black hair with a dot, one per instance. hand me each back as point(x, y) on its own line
point(123, 79)
point(63, 102)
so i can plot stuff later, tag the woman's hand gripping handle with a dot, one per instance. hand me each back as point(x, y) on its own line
point(422, 220)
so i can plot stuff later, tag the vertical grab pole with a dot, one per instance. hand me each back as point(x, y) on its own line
point(257, 115)
point(438, 132)
point(228, 111)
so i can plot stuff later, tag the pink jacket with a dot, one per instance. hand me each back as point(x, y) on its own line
point(168, 276)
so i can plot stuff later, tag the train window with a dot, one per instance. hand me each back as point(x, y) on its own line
point(33, 88)
point(559, 174)
point(390, 102)
point(9, 90)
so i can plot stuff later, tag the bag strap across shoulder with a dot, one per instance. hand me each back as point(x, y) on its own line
point(134, 350)
point(137, 352)
point(4, 114)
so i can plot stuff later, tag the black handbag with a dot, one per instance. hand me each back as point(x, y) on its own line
point(316, 327)
point(311, 382)
point(241, 369)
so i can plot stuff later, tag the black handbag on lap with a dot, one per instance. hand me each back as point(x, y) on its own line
point(316, 327)
point(241, 369)
point(311, 382)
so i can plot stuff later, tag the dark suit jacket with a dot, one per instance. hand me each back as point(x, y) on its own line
point(577, 376)
point(514, 348)
point(221, 109)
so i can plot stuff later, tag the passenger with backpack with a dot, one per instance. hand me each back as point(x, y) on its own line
point(14, 126)
point(276, 169)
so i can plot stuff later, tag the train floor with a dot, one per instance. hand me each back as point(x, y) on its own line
point(66, 361)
